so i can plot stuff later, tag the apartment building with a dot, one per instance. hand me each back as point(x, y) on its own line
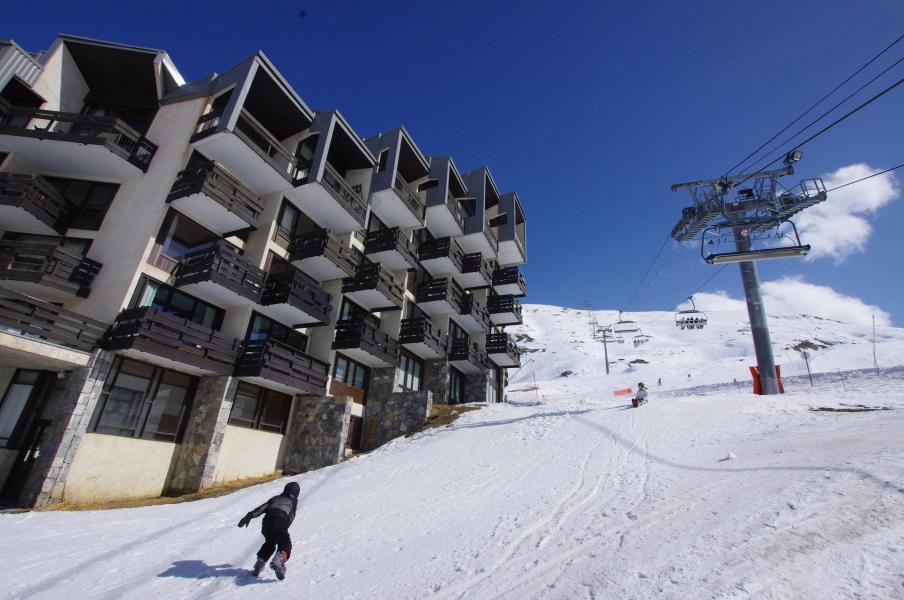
point(208, 281)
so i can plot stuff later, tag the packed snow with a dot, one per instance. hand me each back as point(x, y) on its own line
point(707, 491)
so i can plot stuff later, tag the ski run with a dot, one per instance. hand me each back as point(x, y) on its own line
point(564, 492)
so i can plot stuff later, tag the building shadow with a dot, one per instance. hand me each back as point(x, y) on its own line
point(198, 569)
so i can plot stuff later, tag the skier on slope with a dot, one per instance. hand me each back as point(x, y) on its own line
point(279, 512)
point(640, 397)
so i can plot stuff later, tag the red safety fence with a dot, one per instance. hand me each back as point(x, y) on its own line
point(757, 388)
point(624, 392)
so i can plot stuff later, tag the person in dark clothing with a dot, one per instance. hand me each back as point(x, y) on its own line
point(279, 512)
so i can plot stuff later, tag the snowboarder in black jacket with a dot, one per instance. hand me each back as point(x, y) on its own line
point(279, 512)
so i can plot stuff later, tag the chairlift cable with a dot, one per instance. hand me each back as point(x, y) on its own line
point(647, 272)
point(699, 287)
point(844, 185)
point(820, 117)
point(817, 103)
point(846, 115)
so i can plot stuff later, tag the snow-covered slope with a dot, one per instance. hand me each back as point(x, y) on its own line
point(712, 493)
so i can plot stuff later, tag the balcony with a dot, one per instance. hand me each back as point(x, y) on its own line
point(360, 340)
point(476, 273)
point(504, 310)
point(35, 334)
point(322, 257)
point(472, 316)
point(215, 199)
point(478, 237)
point(420, 337)
point(46, 270)
point(441, 257)
point(508, 281)
point(273, 364)
point(502, 350)
point(468, 357)
point(74, 145)
point(294, 298)
point(438, 297)
point(162, 339)
point(391, 248)
point(511, 231)
point(248, 151)
point(446, 218)
point(330, 201)
point(399, 205)
point(445, 214)
point(220, 275)
point(30, 204)
point(374, 288)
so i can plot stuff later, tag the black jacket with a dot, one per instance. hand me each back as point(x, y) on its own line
point(279, 511)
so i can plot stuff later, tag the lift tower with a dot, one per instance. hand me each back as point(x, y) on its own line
point(755, 224)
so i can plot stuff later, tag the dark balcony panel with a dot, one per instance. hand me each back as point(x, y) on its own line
point(476, 273)
point(391, 248)
point(160, 338)
point(468, 357)
point(41, 321)
point(30, 204)
point(374, 288)
point(420, 337)
point(330, 201)
point(220, 275)
point(274, 364)
point(46, 270)
point(504, 310)
point(212, 197)
point(362, 341)
point(511, 231)
point(296, 299)
point(509, 281)
point(472, 316)
point(438, 297)
point(323, 257)
point(249, 152)
point(440, 257)
point(502, 350)
point(75, 145)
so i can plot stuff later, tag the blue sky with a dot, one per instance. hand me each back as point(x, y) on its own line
point(589, 110)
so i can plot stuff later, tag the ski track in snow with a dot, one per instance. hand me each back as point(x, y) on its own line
point(577, 497)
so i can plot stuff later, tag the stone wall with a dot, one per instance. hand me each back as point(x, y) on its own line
point(476, 388)
point(196, 457)
point(317, 432)
point(400, 414)
point(69, 414)
point(436, 380)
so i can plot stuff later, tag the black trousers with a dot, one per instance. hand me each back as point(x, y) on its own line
point(276, 538)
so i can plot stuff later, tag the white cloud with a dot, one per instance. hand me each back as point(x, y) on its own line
point(840, 226)
point(794, 296)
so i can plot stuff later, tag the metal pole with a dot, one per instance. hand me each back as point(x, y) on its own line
point(875, 360)
point(606, 351)
point(762, 345)
point(806, 356)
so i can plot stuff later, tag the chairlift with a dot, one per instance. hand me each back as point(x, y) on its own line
point(769, 231)
point(624, 325)
point(641, 339)
point(691, 318)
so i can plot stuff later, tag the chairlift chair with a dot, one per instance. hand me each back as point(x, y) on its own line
point(691, 318)
point(641, 339)
point(770, 231)
point(624, 325)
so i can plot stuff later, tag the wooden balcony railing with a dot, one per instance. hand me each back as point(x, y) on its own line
point(501, 343)
point(410, 198)
point(275, 361)
point(391, 239)
point(47, 264)
point(37, 196)
point(440, 289)
point(374, 277)
point(504, 305)
point(109, 132)
point(320, 243)
point(36, 319)
point(472, 306)
point(455, 208)
point(508, 276)
point(419, 330)
point(343, 192)
point(441, 248)
point(222, 264)
point(461, 349)
point(363, 334)
point(217, 184)
point(475, 263)
point(297, 289)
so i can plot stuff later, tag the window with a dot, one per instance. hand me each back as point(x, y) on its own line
point(171, 300)
point(492, 385)
point(291, 223)
point(408, 373)
point(456, 386)
point(350, 373)
point(140, 400)
point(350, 311)
point(89, 199)
point(259, 408)
point(383, 160)
point(13, 405)
point(178, 236)
point(262, 328)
